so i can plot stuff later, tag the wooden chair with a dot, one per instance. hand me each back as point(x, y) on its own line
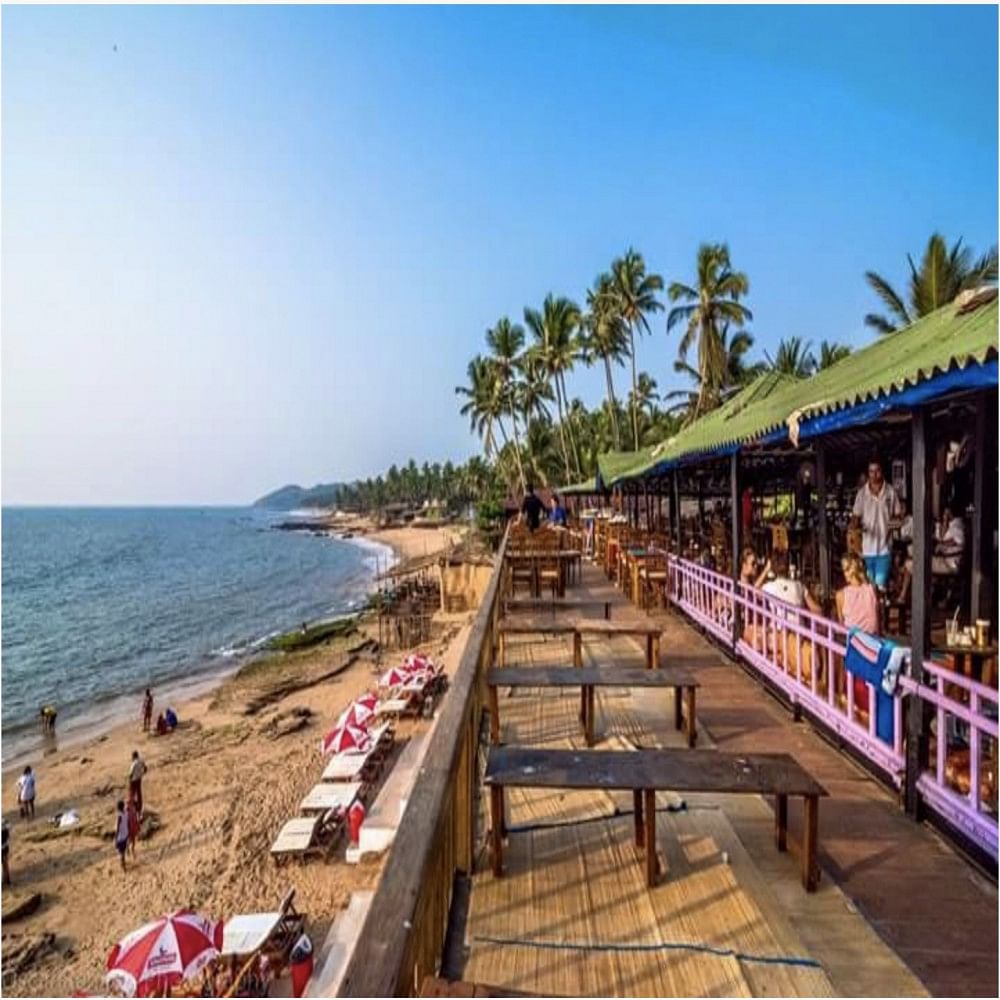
point(653, 580)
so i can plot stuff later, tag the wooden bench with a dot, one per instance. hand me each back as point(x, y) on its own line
point(641, 628)
point(644, 772)
point(588, 678)
point(531, 626)
point(553, 605)
point(579, 628)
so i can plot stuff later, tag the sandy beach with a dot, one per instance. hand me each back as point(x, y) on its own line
point(217, 791)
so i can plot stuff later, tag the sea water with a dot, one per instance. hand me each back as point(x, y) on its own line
point(99, 603)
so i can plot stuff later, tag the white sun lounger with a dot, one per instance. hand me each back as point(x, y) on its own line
point(326, 796)
point(296, 836)
point(246, 932)
point(348, 766)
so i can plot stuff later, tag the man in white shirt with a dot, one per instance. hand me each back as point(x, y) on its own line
point(874, 507)
point(948, 550)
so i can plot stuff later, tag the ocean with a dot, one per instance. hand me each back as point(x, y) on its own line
point(98, 603)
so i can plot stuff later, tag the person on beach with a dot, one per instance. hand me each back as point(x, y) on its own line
point(26, 794)
point(135, 774)
point(47, 715)
point(133, 825)
point(121, 832)
point(531, 508)
point(147, 710)
point(161, 725)
point(6, 854)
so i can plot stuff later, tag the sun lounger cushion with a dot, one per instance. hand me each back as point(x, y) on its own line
point(296, 836)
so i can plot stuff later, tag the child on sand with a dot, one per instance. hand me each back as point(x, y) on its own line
point(26, 794)
point(133, 824)
point(121, 832)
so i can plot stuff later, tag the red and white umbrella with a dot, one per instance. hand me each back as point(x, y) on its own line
point(346, 739)
point(417, 662)
point(163, 953)
point(360, 712)
point(395, 677)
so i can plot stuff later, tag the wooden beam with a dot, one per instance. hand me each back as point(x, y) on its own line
point(675, 511)
point(822, 526)
point(920, 598)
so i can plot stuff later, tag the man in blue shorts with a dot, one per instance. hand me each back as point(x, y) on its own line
point(874, 507)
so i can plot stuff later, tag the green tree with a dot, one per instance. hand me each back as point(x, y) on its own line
point(634, 293)
point(506, 341)
point(709, 306)
point(606, 338)
point(941, 275)
point(830, 353)
point(793, 357)
point(556, 348)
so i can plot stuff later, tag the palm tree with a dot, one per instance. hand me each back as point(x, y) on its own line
point(606, 338)
point(738, 374)
point(480, 402)
point(645, 395)
point(942, 274)
point(709, 306)
point(506, 340)
point(536, 390)
point(830, 353)
point(634, 292)
point(556, 349)
point(793, 357)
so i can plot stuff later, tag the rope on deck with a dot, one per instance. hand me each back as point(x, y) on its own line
point(707, 949)
point(682, 806)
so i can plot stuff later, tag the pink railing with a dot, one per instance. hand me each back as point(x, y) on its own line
point(961, 782)
point(802, 654)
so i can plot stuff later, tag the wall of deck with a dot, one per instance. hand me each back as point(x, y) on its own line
point(403, 936)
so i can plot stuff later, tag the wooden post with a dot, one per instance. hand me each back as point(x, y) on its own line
point(781, 822)
point(983, 500)
point(652, 865)
point(637, 815)
point(735, 512)
point(920, 594)
point(822, 527)
point(675, 509)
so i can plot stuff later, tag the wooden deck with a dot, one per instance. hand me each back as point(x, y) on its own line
point(573, 916)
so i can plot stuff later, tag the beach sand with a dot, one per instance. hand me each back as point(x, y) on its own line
point(220, 787)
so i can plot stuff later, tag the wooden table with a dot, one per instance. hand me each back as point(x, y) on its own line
point(969, 660)
point(589, 678)
point(580, 628)
point(644, 772)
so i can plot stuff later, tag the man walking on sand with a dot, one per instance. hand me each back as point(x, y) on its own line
point(147, 711)
point(135, 774)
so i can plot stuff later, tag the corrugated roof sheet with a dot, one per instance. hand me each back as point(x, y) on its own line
point(940, 342)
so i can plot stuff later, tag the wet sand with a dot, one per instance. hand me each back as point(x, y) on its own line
point(219, 789)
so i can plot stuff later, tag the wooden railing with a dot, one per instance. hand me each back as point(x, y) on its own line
point(403, 935)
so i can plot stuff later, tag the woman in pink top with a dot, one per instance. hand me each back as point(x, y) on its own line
point(857, 607)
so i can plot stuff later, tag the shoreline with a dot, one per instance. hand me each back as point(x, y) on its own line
point(218, 789)
point(103, 717)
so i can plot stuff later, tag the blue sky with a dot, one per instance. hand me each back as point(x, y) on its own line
point(249, 246)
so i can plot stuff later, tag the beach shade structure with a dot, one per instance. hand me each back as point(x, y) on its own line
point(346, 739)
point(161, 954)
point(360, 712)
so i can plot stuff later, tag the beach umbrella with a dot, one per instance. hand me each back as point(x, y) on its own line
point(395, 677)
point(163, 953)
point(419, 662)
point(346, 739)
point(360, 711)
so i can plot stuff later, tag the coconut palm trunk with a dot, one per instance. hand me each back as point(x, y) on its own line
point(569, 426)
point(562, 432)
point(613, 403)
point(635, 390)
point(517, 452)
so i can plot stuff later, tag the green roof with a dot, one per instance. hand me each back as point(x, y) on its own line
point(937, 343)
point(577, 489)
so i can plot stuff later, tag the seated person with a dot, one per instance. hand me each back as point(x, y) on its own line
point(751, 572)
point(857, 607)
point(161, 725)
point(170, 717)
point(950, 545)
point(789, 592)
point(557, 512)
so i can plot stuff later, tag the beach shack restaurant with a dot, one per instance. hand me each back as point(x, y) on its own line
point(777, 472)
